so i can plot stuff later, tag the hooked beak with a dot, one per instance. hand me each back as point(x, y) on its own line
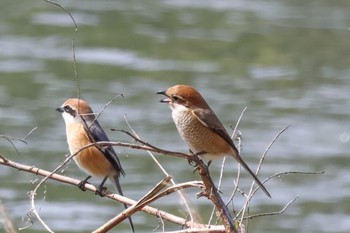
point(166, 100)
point(60, 109)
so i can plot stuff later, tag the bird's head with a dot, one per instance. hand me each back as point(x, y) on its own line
point(76, 111)
point(184, 96)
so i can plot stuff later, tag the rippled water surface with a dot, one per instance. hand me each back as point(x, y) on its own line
point(287, 62)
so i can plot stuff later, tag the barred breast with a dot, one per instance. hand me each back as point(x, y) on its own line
point(198, 137)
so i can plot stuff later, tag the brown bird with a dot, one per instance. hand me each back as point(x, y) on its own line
point(83, 129)
point(200, 128)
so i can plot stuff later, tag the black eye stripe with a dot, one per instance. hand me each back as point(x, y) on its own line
point(70, 110)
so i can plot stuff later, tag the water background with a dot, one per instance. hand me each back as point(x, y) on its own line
point(286, 61)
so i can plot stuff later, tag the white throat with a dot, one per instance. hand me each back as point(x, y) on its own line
point(68, 118)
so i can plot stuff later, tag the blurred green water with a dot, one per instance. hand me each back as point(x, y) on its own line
point(286, 61)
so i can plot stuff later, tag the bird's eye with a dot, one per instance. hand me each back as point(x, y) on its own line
point(67, 108)
point(176, 98)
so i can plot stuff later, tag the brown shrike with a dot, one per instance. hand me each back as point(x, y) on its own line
point(200, 128)
point(83, 129)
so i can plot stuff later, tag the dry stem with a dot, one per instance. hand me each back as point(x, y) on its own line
point(116, 197)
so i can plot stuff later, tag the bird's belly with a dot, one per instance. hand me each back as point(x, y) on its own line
point(91, 160)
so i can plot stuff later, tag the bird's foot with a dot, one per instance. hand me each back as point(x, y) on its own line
point(101, 191)
point(82, 183)
point(203, 194)
point(209, 162)
point(194, 159)
point(196, 169)
point(192, 162)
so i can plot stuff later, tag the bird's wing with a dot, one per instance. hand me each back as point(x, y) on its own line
point(98, 134)
point(208, 118)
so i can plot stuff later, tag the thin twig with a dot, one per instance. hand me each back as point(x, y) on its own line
point(76, 74)
point(293, 172)
point(145, 146)
point(239, 138)
point(149, 152)
point(239, 146)
point(161, 185)
point(150, 197)
point(70, 15)
point(27, 135)
point(273, 213)
point(174, 188)
point(237, 123)
point(279, 174)
point(137, 139)
point(251, 190)
point(49, 175)
point(269, 147)
point(163, 170)
point(132, 209)
point(219, 186)
point(6, 219)
point(105, 106)
point(73, 42)
point(11, 139)
point(213, 229)
point(34, 191)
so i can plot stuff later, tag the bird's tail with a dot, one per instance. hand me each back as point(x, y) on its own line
point(241, 161)
point(120, 191)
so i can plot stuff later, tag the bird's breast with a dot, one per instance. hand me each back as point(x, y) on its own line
point(91, 159)
point(76, 137)
point(199, 137)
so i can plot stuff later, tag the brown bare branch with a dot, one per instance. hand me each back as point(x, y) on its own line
point(150, 197)
point(183, 199)
point(211, 192)
point(113, 196)
point(145, 146)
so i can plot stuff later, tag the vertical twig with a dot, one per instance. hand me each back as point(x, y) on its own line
point(165, 172)
point(212, 193)
point(6, 219)
point(251, 191)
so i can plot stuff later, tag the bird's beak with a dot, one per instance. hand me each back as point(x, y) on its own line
point(60, 109)
point(161, 93)
point(167, 100)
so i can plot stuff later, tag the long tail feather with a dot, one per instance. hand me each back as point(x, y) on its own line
point(120, 191)
point(241, 161)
